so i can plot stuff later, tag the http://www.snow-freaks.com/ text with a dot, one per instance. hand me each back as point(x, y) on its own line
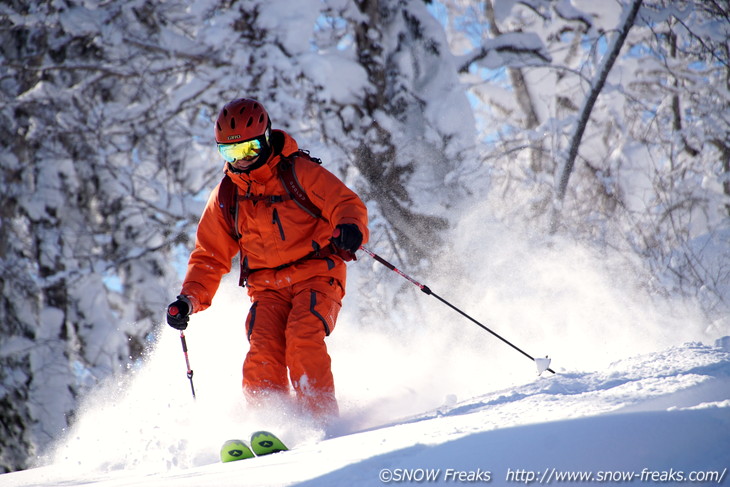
point(547, 476)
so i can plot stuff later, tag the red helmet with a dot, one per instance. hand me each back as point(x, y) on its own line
point(240, 120)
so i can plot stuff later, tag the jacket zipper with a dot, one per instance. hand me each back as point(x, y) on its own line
point(275, 220)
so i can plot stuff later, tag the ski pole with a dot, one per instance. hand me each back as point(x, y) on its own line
point(187, 361)
point(542, 364)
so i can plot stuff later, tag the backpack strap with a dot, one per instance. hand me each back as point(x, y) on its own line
point(291, 184)
point(228, 203)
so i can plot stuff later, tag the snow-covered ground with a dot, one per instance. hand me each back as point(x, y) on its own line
point(654, 418)
point(641, 394)
point(650, 418)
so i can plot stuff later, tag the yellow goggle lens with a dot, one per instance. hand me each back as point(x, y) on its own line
point(246, 150)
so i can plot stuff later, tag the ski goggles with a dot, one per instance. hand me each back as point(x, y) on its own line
point(246, 150)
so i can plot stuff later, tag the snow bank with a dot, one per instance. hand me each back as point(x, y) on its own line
point(648, 418)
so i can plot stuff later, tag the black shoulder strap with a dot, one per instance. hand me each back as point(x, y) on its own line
point(291, 184)
point(228, 203)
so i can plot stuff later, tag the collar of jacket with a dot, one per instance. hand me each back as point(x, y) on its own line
point(281, 144)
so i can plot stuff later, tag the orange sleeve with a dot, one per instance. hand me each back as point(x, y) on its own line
point(339, 204)
point(212, 256)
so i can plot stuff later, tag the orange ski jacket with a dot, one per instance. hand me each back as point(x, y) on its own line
point(277, 235)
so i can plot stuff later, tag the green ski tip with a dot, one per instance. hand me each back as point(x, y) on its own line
point(233, 450)
point(265, 443)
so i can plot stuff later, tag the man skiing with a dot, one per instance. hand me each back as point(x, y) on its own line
point(292, 261)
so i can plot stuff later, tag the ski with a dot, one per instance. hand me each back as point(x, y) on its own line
point(265, 443)
point(233, 450)
point(262, 443)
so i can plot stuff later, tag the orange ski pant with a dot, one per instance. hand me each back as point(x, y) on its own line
point(286, 331)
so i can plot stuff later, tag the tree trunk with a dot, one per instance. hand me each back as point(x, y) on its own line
point(585, 111)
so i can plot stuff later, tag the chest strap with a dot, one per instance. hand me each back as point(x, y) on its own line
point(269, 200)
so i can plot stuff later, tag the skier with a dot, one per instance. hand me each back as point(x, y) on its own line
point(292, 262)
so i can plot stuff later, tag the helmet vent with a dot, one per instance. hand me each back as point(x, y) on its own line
point(250, 122)
point(233, 123)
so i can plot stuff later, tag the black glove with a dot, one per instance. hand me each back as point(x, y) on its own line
point(178, 313)
point(347, 237)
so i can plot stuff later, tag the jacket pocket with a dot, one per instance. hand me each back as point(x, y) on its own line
point(277, 221)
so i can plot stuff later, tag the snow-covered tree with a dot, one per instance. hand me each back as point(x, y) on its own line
point(404, 123)
point(650, 169)
point(95, 192)
point(680, 104)
point(108, 157)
